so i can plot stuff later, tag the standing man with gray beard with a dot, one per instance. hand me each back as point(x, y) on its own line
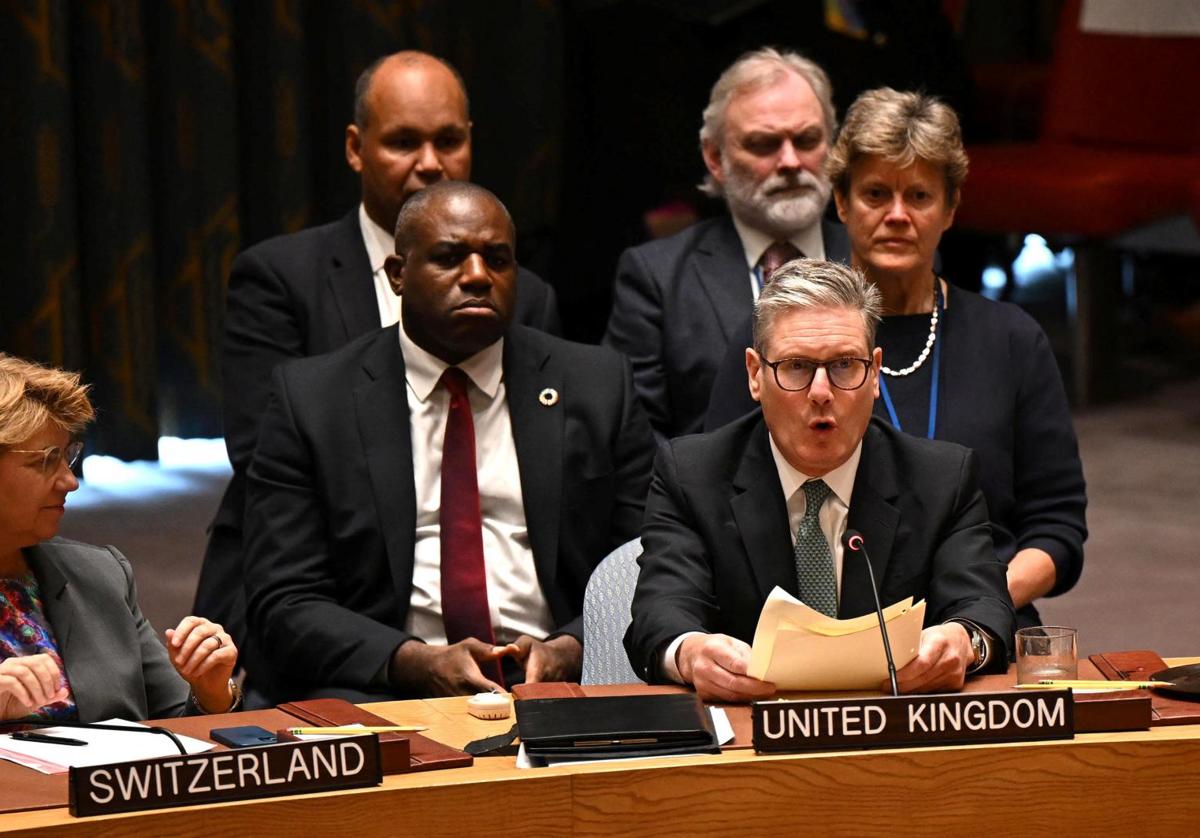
point(677, 301)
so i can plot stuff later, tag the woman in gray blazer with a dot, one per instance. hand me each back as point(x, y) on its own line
point(73, 642)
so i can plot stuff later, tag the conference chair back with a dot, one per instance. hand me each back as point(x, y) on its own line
point(606, 602)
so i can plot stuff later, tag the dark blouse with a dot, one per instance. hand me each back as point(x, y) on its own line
point(1000, 393)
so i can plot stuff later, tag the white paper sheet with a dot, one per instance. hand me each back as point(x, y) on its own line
point(797, 648)
point(104, 746)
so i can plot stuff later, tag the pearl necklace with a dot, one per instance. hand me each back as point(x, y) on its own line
point(933, 321)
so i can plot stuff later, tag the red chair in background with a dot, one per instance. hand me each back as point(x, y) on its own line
point(1119, 149)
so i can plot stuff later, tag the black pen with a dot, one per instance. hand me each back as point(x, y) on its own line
point(29, 736)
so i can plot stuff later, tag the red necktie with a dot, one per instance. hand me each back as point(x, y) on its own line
point(464, 576)
point(774, 257)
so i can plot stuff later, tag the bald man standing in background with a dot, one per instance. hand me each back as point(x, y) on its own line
point(311, 292)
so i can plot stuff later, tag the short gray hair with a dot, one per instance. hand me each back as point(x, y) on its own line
point(816, 284)
point(754, 70)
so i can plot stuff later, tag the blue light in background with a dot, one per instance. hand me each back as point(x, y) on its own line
point(182, 465)
point(1036, 267)
point(994, 280)
point(1037, 262)
point(207, 454)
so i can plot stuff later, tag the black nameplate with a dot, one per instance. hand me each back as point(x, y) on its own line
point(290, 768)
point(949, 719)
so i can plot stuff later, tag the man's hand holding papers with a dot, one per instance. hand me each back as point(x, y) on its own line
point(716, 665)
point(941, 662)
point(798, 648)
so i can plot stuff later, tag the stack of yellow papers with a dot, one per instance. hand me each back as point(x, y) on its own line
point(797, 648)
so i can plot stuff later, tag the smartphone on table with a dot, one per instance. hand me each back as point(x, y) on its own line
point(246, 736)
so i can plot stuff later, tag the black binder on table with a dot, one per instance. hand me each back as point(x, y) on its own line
point(615, 727)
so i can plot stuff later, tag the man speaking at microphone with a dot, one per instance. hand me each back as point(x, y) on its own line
point(765, 501)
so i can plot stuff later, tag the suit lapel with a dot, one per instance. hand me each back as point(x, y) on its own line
point(381, 409)
point(52, 585)
point(760, 511)
point(86, 677)
point(350, 279)
point(874, 515)
point(538, 437)
point(720, 265)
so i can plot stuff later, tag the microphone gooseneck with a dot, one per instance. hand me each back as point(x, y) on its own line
point(853, 542)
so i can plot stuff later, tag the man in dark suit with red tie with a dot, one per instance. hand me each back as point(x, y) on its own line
point(426, 504)
point(313, 291)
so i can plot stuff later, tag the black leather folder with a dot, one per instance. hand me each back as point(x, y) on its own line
point(615, 727)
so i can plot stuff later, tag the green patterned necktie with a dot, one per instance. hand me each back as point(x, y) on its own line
point(814, 562)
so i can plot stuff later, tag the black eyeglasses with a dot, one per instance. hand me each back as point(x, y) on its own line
point(795, 374)
point(53, 455)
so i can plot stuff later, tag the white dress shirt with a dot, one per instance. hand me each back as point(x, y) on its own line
point(514, 594)
point(832, 517)
point(380, 244)
point(834, 511)
point(755, 243)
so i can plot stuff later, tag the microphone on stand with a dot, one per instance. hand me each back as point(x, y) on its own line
point(853, 541)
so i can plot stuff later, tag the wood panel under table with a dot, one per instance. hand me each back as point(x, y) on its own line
point(1105, 783)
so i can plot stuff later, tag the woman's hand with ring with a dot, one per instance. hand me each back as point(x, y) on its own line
point(204, 656)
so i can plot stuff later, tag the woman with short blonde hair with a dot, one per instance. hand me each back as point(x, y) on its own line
point(73, 642)
point(957, 366)
point(900, 128)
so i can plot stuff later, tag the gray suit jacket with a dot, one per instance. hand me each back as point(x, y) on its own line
point(677, 302)
point(115, 663)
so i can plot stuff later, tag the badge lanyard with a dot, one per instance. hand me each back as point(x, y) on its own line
point(933, 386)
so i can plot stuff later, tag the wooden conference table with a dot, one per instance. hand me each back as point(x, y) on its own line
point(1097, 784)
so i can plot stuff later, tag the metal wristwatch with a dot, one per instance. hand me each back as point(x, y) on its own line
point(981, 645)
point(235, 690)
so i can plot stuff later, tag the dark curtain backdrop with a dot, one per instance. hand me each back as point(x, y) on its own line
point(146, 142)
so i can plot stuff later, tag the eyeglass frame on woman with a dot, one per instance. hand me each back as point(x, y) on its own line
point(54, 453)
point(816, 365)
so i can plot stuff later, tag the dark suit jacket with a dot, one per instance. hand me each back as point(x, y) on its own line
point(716, 539)
point(292, 297)
point(1001, 396)
point(115, 663)
point(331, 504)
point(677, 302)
point(730, 396)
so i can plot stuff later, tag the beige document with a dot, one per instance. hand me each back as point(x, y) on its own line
point(797, 648)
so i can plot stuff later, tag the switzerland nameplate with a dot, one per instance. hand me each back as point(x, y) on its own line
point(290, 768)
point(906, 721)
